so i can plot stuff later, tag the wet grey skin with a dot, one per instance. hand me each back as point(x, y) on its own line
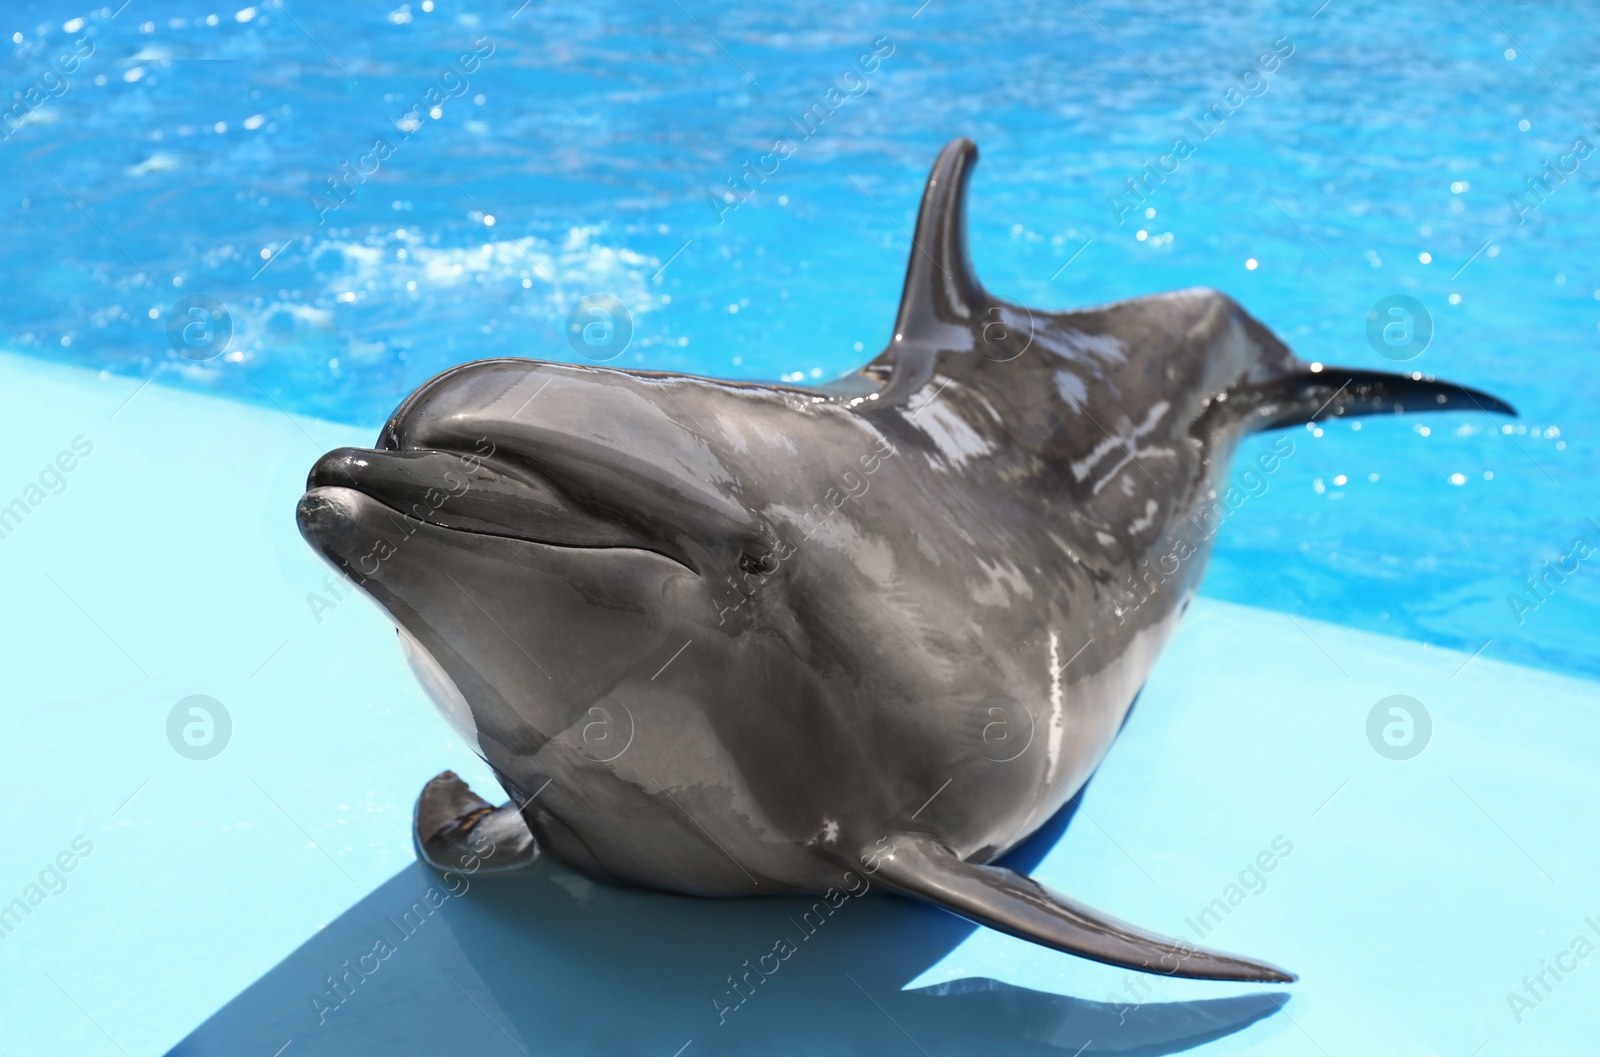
point(729, 639)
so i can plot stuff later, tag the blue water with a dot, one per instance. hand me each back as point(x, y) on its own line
point(191, 154)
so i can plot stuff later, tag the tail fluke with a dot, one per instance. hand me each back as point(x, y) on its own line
point(1326, 392)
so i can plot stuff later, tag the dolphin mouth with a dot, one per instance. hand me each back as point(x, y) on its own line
point(471, 493)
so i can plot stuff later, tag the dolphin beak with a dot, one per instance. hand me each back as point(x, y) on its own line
point(464, 491)
point(326, 518)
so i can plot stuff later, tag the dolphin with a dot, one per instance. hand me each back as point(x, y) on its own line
point(732, 639)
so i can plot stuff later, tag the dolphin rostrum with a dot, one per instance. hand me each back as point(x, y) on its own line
point(727, 639)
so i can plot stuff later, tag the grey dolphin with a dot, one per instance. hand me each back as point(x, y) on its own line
point(730, 639)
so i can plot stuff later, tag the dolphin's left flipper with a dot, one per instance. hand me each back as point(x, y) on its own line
point(1003, 899)
point(456, 829)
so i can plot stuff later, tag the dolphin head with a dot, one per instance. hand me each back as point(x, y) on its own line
point(515, 515)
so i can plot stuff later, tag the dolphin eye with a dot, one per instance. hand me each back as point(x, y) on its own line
point(754, 563)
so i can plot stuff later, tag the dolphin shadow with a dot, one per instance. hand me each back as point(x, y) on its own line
point(545, 961)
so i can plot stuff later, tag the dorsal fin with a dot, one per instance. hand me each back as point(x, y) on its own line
point(941, 288)
point(942, 302)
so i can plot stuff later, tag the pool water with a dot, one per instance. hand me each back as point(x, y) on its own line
point(594, 139)
point(286, 162)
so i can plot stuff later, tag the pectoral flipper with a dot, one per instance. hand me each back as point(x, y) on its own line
point(1003, 899)
point(456, 829)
